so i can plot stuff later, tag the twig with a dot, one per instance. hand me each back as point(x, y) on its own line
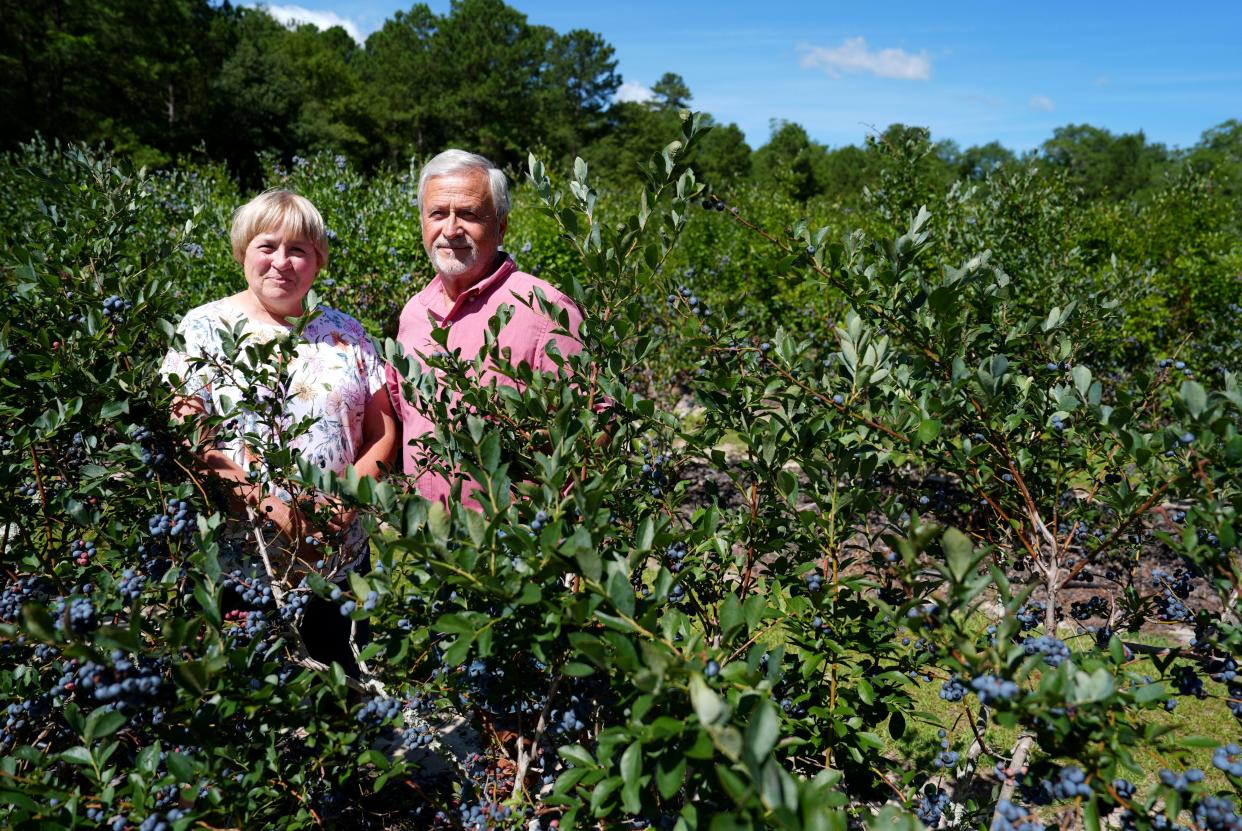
point(524, 757)
point(1025, 742)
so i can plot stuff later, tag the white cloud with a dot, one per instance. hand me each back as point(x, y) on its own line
point(289, 15)
point(852, 56)
point(634, 91)
point(1103, 81)
point(1042, 102)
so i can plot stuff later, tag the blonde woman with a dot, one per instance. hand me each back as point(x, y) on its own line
point(331, 379)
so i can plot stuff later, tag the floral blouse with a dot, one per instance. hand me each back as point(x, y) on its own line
point(331, 373)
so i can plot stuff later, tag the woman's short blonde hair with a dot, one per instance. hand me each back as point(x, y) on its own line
point(279, 208)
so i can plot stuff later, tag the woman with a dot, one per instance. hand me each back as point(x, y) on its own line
point(324, 384)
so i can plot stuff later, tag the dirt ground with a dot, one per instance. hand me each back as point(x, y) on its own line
point(1108, 579)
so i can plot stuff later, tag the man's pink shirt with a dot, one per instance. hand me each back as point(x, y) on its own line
point(525, 337)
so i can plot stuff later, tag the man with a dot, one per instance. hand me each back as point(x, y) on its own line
point(464, 205)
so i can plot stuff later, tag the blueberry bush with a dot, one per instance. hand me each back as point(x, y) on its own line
point(824, 528)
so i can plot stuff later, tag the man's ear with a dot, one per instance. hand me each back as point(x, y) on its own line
point(504, 226)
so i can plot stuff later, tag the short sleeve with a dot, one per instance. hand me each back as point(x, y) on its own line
point(189, 365)
point(393, 381)
point(372, 366)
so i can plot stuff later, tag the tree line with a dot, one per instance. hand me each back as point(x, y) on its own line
point(193, 78)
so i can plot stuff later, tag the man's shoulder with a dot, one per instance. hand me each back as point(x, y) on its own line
point(523, 286)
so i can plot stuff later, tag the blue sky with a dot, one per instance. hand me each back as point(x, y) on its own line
point(971, 71)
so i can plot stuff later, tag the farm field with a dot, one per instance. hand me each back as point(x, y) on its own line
point(958, 457)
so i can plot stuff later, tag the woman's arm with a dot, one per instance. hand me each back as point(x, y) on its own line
point(243, 492)
point(380, 432)
point(379, 436)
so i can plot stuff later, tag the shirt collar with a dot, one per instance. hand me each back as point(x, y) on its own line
point(438, 303)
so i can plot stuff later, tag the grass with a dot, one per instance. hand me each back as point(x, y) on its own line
point(1209, 717)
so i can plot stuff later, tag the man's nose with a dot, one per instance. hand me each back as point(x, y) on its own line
point(452, 227)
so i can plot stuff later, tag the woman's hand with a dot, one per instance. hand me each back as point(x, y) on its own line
point(293, 525)
point(340, 515)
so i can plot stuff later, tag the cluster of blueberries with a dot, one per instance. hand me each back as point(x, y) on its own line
point(1174, 588)
point(131, 584)
point(253, 625)
point(1228, 758)
point(946, 758)
point(684, 294)
point(1031, 614)
point(80, 612)
point(19, 715)
point(1093, 606)
point(992, 689)
point(653, 469)
point(1011, 817)
point(149, 450)
point(930, 805)
point(176, 521)
point(253, 590)
point(129, 684)
point(379, 711)
point(674, 555)
point(1053, 649)
point(81, 551)
point(1070, 782)
point(953, 689)
point(113, 306)
point(1180, 366)
point(1217, 813)
point(16, 594)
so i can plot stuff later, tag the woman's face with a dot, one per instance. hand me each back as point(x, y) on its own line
point(279, 270)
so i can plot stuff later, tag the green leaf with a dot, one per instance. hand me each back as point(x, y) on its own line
point(631, 773)
point(866, 692)
point(1091, 815)
point(620, 592)
point(1194, 396)
point(438, 520)
point(114, 408)
point(1082, 379)
point(180, 766)
point(763, 731)
point(959, 552)
point(670, 774)
point(77, 755)
point(707, 705)
point(102, 723)
point(730, 616)
point(578, 755)
point(928, 430)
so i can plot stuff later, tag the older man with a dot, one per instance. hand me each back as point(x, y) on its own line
point(464, 203)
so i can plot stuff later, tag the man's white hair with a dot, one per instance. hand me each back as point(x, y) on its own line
point(457, 161)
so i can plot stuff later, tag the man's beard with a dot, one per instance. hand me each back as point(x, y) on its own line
point(449, 260)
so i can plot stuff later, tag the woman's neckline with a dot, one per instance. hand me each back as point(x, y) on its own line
point(234, 304)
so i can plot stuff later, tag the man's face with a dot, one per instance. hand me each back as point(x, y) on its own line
point(460, 230)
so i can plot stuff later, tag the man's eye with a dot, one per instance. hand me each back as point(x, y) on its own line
point(436, 214)
point(469, 216)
